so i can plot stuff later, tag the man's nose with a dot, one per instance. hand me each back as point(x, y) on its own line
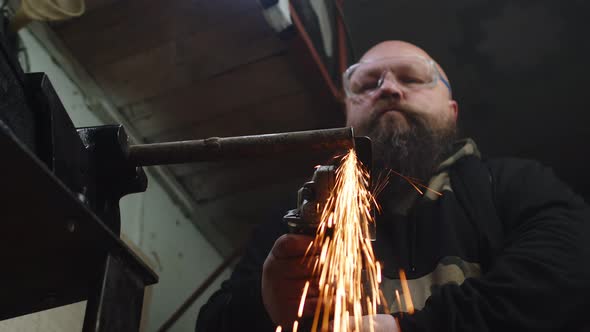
point(390, 87)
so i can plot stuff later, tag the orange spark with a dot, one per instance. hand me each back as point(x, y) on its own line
point(343, 238)
point(308, 248)
point(398, 300)
point(279, 329)
point(415, 182)
point(295, 326)
point(302, 303)
point(406, 292)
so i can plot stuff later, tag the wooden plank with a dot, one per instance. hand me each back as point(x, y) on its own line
point(228, 221)
point(236, 216)
point(288, 112)
point(199, 56)
point(249, 85)
point(130, 27)
point(249, 175)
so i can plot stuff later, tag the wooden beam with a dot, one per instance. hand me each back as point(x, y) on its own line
point(192, 58)
point(250, 208)
point(247, 175)
point(130, 27)
point(287, 112)
point(249, 84)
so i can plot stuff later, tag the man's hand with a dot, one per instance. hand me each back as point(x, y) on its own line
point(284, 274)
point(381, 323)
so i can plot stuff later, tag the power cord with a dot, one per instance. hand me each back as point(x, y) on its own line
point(347, 33)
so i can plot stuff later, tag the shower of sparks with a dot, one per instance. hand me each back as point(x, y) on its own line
point(406, 292)
point(412, 181)
point(398, 300)
point(302, 303)
point(383, 180)
point(348, 273)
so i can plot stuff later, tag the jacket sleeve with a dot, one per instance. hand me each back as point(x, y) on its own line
point(540, 279)
point(237, 306)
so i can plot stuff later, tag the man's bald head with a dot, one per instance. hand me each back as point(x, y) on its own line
point(411, 128)
point(398, 48)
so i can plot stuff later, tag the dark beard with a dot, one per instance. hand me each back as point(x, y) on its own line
point(416, 152)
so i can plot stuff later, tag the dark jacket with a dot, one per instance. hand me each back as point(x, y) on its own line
point(517, 237)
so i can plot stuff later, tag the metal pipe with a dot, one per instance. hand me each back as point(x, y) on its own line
point(231, 148)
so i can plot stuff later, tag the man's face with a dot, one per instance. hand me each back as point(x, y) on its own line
point(406, 125)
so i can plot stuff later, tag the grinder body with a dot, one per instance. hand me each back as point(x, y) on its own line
point(311, 200)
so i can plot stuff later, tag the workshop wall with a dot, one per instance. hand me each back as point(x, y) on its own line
point(151, 224)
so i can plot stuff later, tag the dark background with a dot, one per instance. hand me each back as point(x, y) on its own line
point(519, 70)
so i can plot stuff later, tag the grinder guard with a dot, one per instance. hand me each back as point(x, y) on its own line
point(313, 195)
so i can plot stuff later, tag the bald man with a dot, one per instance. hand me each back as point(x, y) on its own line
point(506, 245)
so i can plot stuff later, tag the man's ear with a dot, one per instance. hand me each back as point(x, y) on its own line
point(454, 108)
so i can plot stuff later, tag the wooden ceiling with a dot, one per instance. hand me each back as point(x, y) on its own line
point(189, 69)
